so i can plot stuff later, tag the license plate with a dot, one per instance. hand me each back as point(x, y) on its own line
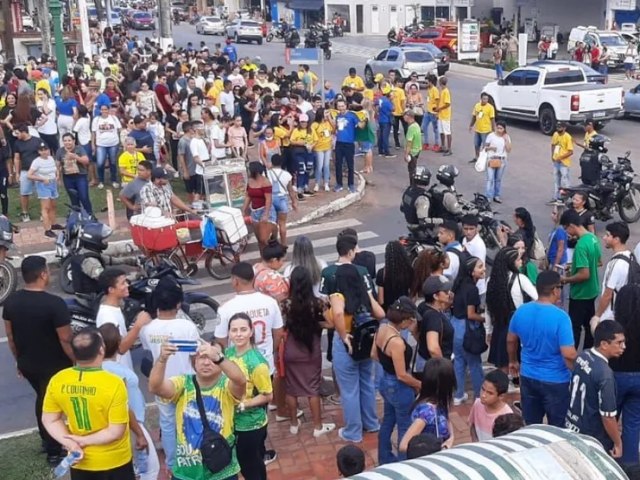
point(599, 114)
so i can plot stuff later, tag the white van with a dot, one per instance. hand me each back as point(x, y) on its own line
point(615, 43)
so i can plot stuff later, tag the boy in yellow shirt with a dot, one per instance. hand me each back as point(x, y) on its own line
point(353, 81)
point(431, 115)
point(399, 101)
point(561, 152)
point(444, 116)
point(483, 122)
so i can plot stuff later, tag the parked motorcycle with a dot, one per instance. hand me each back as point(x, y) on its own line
point(275, 32)
point(614, 191)
point(325, 44)
point(8, 273)
point(199, 307)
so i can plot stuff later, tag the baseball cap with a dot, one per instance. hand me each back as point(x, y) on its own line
point(215, 110)
point(386, 90)
point(159, 172)
point(139, 119)
point(43, 146)
point(405, 305)
point(435, 284)
point(378, 78)
point(303, 118)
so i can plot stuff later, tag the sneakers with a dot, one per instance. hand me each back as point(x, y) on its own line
point(497, 199)
point(100, 186)
point(390, 155)
point(293, 429)
point(115, 185)
point(316, 188)
point(284, 419)
point(341, 435)
point(326, 428)
point(436, 148)
point(337, 188)
point(447, 153)
point(272, 407)
point(352, 189)
point(308, 193)
point(459, 401)
point(270, 456)
point(50, 234)
point(300, 196)
point(473, 160)
point(326, 188)
point(25, 217)
point(57, 226)
point(425, 147)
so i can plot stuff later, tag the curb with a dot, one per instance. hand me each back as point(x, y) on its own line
point(464, 69)
point(126, 247)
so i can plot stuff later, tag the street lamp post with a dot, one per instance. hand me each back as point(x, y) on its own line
point(61, 52)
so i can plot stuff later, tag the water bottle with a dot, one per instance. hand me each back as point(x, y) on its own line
point(63, 468)
point(141, 461)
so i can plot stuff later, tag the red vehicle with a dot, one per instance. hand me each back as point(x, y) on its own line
point(446, 39)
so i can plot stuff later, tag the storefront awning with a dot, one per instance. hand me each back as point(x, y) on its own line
point(306, 4)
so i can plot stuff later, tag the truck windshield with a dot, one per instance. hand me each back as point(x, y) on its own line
point(613, 40)
point(567, 76)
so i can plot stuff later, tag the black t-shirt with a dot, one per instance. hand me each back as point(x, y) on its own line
point(172, 123)
point(28, 150)
point(34, 318)
point(434, 321)
point(246, 115)
point(466, 295)
point(630, 359)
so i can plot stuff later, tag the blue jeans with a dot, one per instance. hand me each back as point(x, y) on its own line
point(398, 402)
point(430, 119)
point(80, 185)
point(479, 139)
point(499, 71)
point(464, 359)
point(383, 138)
point(560, 178)
point(494, 180)
point(167, 420)
point(357, 392)
point(628, 391)
point(112, 153)
point(344, 156)
point(323, 164)
point(304, 161)
point(544, 398)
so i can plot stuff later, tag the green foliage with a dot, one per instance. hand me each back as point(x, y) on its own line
point(20, 459)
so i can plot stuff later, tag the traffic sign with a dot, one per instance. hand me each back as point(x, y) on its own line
point(302, 56)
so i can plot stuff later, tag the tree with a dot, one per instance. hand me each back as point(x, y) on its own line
point(44, 21)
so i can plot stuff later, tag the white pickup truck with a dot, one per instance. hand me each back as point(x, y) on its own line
point(547, 94)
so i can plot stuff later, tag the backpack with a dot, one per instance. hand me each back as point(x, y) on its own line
point(538, 253)
point(633, 277)
point(463, 256)
point(363, 335)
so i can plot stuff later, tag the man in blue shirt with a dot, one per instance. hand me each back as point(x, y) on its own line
point(385, 118)
point(544, 331)
point(346, 124)
point(230, 51)
point(101, 99)
point(143, 138)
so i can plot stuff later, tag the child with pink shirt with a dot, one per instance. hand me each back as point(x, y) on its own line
point(490, 405)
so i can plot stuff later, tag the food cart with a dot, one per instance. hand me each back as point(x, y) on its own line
point(225, 184)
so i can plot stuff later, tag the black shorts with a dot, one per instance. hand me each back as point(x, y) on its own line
point(125, 472)
point(195, 184)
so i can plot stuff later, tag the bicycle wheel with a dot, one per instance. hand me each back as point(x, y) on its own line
point(220, 261)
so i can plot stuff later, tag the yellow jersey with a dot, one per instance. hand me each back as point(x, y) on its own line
point(92, 399)
point(433, 99)
point(399, 100)
point(129, 163)
point(484, 114)
point(562, 144)
point(324, 136)
point(368, 94)
point(283, 135)
point(445, 98)
point(303, 135)
point(354, 82)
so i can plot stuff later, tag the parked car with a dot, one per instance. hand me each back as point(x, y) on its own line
point(550, 93)
point(245, 30)
point(632, 102)
point(441, 58)
point(630, 36)
point(593, 76)
point(628, 28)
point(141, 21)
point(404, 60)
point(612, 39)
point(210, 25)
point(446, 39)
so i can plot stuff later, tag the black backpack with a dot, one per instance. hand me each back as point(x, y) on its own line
point(633, 277)
point(363, 335)
point(463, 256)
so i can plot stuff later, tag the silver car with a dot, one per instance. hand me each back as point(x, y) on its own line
point(404, 60)
point(246, 30)
point(210, 25)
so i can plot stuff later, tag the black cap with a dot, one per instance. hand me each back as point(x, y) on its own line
point(159, 172)
point(405, 305)
point(43, 146)
point(139, 119)
point(435, 284)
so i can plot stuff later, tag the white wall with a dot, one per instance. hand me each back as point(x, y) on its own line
point(566, 13)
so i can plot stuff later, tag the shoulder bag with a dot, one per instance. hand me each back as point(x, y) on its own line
point(216, 452)
point(475, 338)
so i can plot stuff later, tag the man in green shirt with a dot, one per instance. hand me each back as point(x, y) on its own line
point(413, 144)
point(583, 281)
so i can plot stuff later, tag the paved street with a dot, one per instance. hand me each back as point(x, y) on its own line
point(527, 182)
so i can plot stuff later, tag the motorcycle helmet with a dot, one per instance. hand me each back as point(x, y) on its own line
point(94, 236)
point(447, 175)
point(598, 143)
point(422, 177)
point(6, 233)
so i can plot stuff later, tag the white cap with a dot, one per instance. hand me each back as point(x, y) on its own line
point(303, 118)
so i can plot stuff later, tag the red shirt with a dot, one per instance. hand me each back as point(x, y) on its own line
point(162, 91)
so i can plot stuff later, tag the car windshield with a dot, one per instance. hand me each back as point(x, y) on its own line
point(430, 34)
point(250, 24)
point(141, 15)
point(418, 56)
point(613, 41)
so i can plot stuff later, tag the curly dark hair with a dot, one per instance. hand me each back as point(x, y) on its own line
point(425, 264)
point(528, 232)
point(499, 302)
point(303, 309)
point(398, 272)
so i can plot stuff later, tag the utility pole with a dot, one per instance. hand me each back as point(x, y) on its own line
point(85, 35)
point(164, 18)
point(108, 9)
point(45, 24)
point(61, 51)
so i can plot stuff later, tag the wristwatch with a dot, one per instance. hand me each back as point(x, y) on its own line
point(220, 359)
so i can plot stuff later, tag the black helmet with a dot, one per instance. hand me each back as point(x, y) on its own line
point(447, 175)
point(598, 142)
point(422, 177)
point(94, 236)
point(6, 233)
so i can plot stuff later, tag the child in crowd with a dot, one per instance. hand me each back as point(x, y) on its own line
point(350, 460)
point(423, 445)
point(489, 406)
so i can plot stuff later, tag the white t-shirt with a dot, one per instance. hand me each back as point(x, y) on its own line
point(199, 149)
point(265, 315)
point(113, 315)
point(615, 277)
point(279, 188)
point(477, 248)
point(106, 130)
point(157, 332)
point(50, 127)
point(227, 99)
point(83, 129)
point(217, 133)
point(454, 263)
point(498, 143)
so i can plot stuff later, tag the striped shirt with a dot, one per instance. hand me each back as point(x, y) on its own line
point(538, 452)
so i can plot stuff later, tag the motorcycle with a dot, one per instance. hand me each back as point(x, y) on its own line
point(615, 190)
point(292, 38)
point(311, 39)
point(8, 273)
point(275, 32)
point(337, 31)
point(201, 309)
point(81, 232)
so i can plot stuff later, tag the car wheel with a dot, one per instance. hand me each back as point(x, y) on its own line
point(259, 42)
point(368, 74)
point(547, 120)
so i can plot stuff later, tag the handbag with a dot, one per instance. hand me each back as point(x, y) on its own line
point(495, 162)
point(474, 340)
point(418, 111)
point(481, 161)
point(216, 452)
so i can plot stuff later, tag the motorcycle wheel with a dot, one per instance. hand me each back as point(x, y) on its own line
point(327, 54)
point(219, 264)
point(8, 280)
point(202, 313)
point(65, 276)
point(629, 206)
point(269, 37)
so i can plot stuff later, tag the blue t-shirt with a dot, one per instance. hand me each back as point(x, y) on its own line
point(542, 329)
point(230, 51)
point(102, 99)
point(558, 235)
point(346, 125)
point(65, 107)
point(136, 399)
point(436, 421)
point(385, 110)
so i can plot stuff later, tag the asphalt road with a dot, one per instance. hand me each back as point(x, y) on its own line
point(528, 182)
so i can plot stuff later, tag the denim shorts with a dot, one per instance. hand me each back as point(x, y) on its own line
point(47, 190)
point(256, 215)
point(280, 203)
point(26, 185)
point(366, 147)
